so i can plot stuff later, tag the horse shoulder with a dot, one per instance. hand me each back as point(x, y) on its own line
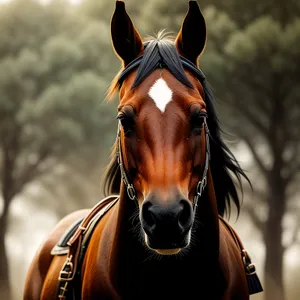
point(232, 265)
point(96, 279)
point(44, 267)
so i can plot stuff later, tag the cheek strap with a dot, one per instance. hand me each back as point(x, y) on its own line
point(125, 177)
point(203, 181)
point(131, 192)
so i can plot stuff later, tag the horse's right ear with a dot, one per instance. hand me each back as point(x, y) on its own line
point(126, 40)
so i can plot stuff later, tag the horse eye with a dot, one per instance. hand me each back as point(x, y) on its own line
point(127, 124)
point(197, 123)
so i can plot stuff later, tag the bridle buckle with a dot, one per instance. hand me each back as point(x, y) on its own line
point(66, 273)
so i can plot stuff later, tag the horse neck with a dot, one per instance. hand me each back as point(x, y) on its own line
point(119, 233)
point(207, 214)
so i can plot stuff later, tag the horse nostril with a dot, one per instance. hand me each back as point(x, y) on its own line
point(147, 215)
point(185, 215)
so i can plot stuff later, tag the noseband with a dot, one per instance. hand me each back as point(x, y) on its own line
point(125, 176)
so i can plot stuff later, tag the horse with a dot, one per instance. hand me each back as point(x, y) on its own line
point(160, 232)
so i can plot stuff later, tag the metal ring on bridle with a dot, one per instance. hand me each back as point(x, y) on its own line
point(131, 192)
point(201, 185)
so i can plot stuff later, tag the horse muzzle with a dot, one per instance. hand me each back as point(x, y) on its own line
point(167, 224)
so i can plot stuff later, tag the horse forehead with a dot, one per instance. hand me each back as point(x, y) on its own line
point(162, 89)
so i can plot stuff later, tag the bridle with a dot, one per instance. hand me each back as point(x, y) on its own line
point(131, 192)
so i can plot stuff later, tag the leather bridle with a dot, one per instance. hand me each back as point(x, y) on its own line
point(131, 192)
point(125, 177)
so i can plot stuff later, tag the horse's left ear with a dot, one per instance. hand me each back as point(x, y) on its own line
point(126, 40)
point(191, 38)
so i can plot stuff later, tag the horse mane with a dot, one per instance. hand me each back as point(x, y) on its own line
point(223, 164)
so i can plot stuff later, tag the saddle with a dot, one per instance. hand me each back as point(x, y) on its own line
point(74, 242)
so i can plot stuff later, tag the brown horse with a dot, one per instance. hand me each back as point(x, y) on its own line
point(170, 241)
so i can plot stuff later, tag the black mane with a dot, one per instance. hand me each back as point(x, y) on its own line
point(161, 53)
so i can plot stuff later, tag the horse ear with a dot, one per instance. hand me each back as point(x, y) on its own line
point(191, 38)
point(126, 40)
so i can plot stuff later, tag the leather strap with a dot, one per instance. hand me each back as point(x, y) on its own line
point(254, 285)
point(70, 267)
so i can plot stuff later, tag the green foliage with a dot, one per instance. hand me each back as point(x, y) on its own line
point(102, 10)
point(260, 61)
point(55, 70)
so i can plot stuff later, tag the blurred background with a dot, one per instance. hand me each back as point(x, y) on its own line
point(56, 130)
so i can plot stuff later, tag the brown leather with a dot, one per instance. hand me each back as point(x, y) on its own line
point(81, 229)
point(248, 265)
point(69, 269)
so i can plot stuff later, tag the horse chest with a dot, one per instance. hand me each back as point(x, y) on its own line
point(172, 278)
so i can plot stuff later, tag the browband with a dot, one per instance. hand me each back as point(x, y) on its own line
point(187, 64)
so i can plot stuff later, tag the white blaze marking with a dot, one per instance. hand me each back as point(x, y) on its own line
point(161, 94)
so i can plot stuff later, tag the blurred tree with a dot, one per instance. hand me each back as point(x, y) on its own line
point(102, 10)
point(245, 12)
point(255, 74)
point(55, 69)
point(242, 12)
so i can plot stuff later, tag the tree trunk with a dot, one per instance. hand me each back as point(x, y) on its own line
point(8, 193)
point(5, 292)
point(274, 285)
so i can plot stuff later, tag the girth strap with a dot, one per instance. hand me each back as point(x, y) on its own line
point(254, 284)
